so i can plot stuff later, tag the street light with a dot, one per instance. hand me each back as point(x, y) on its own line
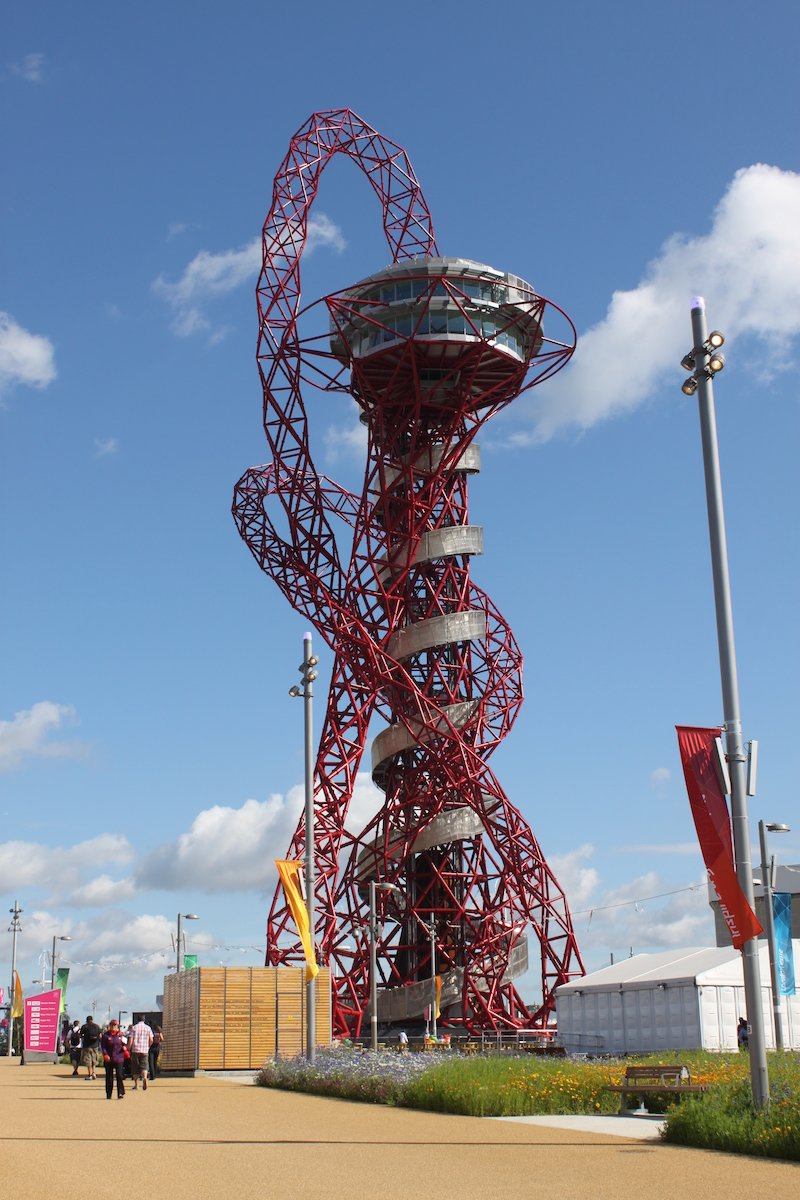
point(430, 929)
point(308, 675)
point(432, 935)
point(58, 937)
point(14, 928)
point(703, 354)
point(768, 885)
point(373, 957)
point(178, 954)
point(119, 1016)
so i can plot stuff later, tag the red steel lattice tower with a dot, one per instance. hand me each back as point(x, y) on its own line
point(430, 348)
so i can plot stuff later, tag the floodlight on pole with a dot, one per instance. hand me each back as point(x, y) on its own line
point(306, 691)
point(768, 883)
point(704, 348)
point(14, 928)
point(178, 949)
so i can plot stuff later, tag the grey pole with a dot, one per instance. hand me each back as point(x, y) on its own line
point(57, 938)
point(311, 867)
point(766, 880)
point(432, 932)
point(373, 969)
point(15, 928)
point(734, 746)
point(373, 957)
point(178, 952)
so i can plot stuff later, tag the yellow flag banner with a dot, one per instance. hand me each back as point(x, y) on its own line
point(16, 1003)
point(438, 995)
point(289, 871)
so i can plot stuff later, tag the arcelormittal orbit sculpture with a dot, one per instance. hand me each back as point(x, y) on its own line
point(430, 348)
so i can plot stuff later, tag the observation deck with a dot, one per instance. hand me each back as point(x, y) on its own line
point(447, 331)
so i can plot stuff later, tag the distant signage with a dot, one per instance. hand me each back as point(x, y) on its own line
point(41, 1021)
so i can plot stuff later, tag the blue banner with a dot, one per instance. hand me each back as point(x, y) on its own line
point(782, 912)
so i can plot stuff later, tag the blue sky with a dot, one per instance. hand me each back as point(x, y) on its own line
point(623, 158)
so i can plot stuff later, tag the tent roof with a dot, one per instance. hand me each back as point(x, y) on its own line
point(716, 963)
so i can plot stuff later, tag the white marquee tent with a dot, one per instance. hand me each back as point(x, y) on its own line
point(675, 1000)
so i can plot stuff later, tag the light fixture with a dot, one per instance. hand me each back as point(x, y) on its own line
point(295, 691)
point(778, 827)
point(715, 339)
point(687, 362)
point(716, 362)
point(689, 386)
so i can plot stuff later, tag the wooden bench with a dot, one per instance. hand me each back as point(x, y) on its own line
point(665, 1079)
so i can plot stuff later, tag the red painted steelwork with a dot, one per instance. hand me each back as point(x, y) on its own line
point(430, 349)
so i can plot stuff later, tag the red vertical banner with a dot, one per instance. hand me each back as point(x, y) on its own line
point(713, 825)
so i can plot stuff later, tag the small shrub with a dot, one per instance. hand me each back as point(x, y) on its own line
point(725, 1119)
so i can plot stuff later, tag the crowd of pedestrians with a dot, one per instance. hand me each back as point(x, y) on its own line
point(130, 1052)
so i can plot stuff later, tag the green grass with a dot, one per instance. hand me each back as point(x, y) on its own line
point(504, 1086)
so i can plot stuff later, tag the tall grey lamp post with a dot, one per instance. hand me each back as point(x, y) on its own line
point(704, 361)
point(373, 958)
point(62, 937)
point(767, 884)
point(308, 675)
point(179, 949)
point(14, 928)
point(432, 935)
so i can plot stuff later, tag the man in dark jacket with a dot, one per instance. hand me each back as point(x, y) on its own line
point(90, 1047)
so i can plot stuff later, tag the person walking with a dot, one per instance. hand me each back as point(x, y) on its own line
point(74, 1046)
point(90, 1046)
point(743, 1034)
point(114, 1052)
point(141, 1039)
point(155, 1051)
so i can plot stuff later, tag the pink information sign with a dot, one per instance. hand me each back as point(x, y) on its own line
point(41, 1021)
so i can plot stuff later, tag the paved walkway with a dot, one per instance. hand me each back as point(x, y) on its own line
point(188, 1139)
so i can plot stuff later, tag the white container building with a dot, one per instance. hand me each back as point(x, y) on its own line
point(675, 1000)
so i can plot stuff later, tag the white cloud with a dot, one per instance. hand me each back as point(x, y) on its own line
point(105, 446)
point(577, 880)
point(25, 358)
point(661, 775)
point(62, 868)
point(233, 849)
point(121, 936)
point(346, 440)
point(27, 735)
point(209, 276)
point(366, 801)
point(748, 269)
point(101, 891)
point(643, 914)
point(30, 68)
point(226, 849)
point(176, 228)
